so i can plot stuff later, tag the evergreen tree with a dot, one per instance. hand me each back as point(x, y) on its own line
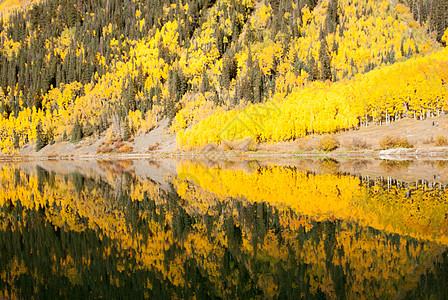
point(77, 133)
point(229, 70)
point(312, 69)
point(126, 130)
point(332, 17)
point(16, 140)
point(325, 61)
point(205, 84)
point(41, 140)
point(257, 83)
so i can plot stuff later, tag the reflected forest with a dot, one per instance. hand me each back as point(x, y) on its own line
point(210, 231)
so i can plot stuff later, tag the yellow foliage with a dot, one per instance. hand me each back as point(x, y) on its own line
point(193, 112)
point(328, 143)
point(262, 16)
point(366, 41)
point(63, 105)
point(414, 87)
point(326, 196)
point(445, 37)
point(9, 47)
point(140, 124)
point(388, 142)
point(361, 223)
point(441, 140)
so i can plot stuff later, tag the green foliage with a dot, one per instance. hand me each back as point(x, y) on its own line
point(177, 84)
point(325, 61)
point(170, 110)
point(434, 11)
point(240, 52)
point(229, 71)
point(88, 129)
point(126, 131)
point(77, 133)
point(332, 18)
point(41, 139)
point(16, 140)
point(312, 69)
point(205, 84)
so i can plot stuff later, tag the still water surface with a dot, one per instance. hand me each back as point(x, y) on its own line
point(184, 229)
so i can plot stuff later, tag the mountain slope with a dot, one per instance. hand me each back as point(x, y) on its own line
point(71, 69)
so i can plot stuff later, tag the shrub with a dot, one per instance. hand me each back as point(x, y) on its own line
point(328, 143)
point(104, 149)
point(210, 147)
point(428, 140)
point(154, 147)
point(229, 145)
point(248, 144)
point(304, 144)
point(357, 143)
point(441, 140)
point(119, 144)
point(389, 142)
point(125, 149)
point(404, 143)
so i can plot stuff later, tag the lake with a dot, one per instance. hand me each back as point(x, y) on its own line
point(224, 228)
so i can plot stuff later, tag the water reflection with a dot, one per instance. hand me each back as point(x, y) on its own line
point(218, 231)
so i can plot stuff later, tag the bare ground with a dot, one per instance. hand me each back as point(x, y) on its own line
point(419, 133)
point(159, 142)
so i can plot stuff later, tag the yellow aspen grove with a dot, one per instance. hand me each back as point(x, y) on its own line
point(285, 70)
point(414, 87)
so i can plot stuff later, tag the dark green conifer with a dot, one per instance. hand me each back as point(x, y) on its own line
point(325, 61)
point(77, 133)
point(16, 140)
point(41, 140)
point(126, 130)
point(205, 84)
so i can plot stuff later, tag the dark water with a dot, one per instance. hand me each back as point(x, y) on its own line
point(195, 230)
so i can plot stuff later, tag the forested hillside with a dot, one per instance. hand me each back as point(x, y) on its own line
point(75, 68)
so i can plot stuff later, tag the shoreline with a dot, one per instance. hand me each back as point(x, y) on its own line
point(439, 153)
point(431, 169)
point(159, 143)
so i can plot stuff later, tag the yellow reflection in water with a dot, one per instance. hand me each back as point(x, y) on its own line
point(328, 196)
point(380, 240)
